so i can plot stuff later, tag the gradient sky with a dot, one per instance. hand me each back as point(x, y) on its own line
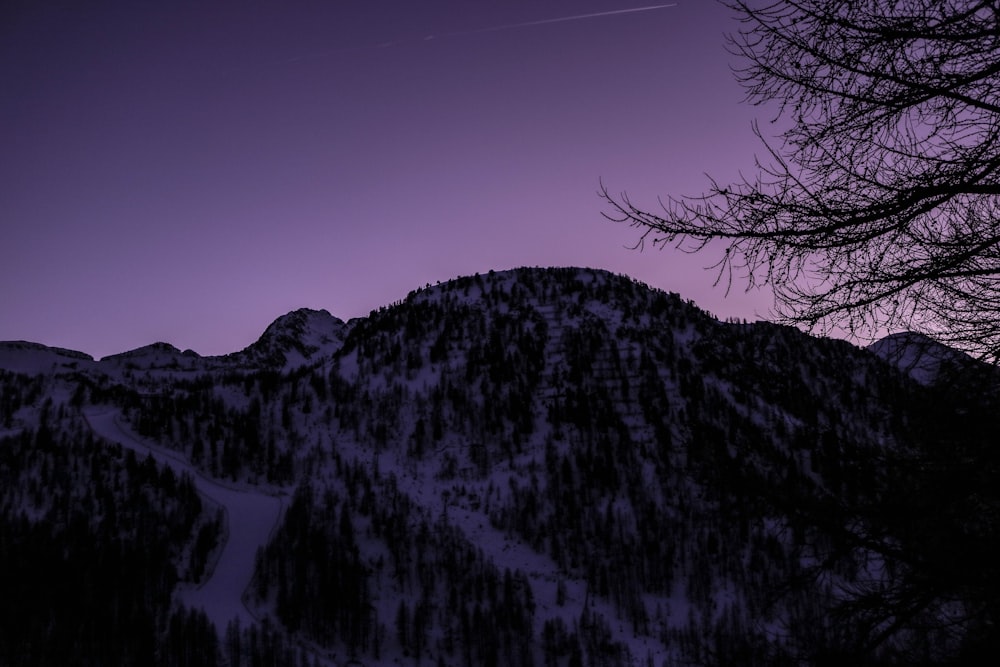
point(189, 171)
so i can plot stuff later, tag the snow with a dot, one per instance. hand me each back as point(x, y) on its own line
point(296, 339)
point(37, 359)
point(316, 338)
point(251, 518)
point(916, 355)
point(418, 481)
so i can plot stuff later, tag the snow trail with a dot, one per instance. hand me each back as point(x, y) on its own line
point(251, 517)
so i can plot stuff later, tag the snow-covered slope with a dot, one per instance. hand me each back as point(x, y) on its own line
point(36, 359)
point(543, 466)
point(249, 515)
point(300, 338)
point(157, 357)
point(919, 356)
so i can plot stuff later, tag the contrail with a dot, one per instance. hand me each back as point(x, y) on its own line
point(561, 19)
point(474, 31)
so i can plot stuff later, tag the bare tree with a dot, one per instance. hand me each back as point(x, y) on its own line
point(878, 204)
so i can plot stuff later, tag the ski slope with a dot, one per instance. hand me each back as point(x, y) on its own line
point(251, 516)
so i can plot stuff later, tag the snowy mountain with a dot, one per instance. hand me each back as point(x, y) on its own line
point(297, 339)
point(920, 357)
point(529, 467)
point(34, 358)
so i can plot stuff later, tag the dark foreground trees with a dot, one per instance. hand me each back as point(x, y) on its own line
point(877, 205)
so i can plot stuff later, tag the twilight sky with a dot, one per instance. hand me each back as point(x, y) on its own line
point(189, 171)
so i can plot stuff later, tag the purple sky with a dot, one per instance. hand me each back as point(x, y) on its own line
point(189, 171)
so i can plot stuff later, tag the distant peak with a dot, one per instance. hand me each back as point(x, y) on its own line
point(298, 338)
point(146, 350)
point(23, 357)
point(916, 354)
point(24, 345)
point(301, 318)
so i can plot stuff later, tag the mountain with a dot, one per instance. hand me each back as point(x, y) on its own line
point(921, 357)
point(34, 358)
point(528, 467)
point(299, 339)
point(294, 340)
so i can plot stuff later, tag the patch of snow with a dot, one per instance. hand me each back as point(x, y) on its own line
point(36, 359)
point(917, 355)
point(251, 518)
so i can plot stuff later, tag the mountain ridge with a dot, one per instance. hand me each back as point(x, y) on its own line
point(550, 466)
point(306, 332)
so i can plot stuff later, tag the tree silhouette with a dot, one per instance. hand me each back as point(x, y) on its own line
point(877, 204)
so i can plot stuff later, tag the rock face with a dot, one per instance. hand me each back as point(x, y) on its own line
point(563, 466)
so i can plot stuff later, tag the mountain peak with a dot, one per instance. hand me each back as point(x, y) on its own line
point(24, 357)
point(297, 339)
point(918, 355)
point(153, 349)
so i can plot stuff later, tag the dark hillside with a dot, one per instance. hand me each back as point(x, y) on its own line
point(562, 467)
